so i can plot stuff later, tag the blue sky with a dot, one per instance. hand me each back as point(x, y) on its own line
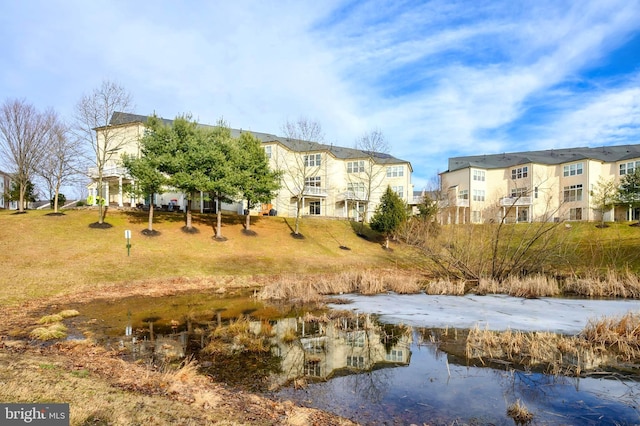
point(438, 78)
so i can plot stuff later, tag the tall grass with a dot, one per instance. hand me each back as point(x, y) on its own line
point(611, 284)
point(313, 288)
point(603, 342)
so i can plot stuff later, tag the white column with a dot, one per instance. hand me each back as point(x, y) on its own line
point(106, 193)
point(120, 203)
point(201, 202)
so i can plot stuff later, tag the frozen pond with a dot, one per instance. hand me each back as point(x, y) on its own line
point(396, 359)
point(494, 312)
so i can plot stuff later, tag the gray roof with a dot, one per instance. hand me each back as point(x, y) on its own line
point(296, 145)
point(608, 154)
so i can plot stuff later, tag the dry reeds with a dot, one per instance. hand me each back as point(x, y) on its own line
point(312, 288)
point(528, 286)
point(519, 413)
point(613, 284)
point(619, 334)
point(445, 287)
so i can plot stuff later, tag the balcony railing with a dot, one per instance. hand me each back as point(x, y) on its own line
point(353, 195)
point(108, 172)
point(515, 201)
point(315, 190)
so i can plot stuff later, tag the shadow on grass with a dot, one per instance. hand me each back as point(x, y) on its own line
point(297, 236)
point(55, 214)
point(363, 231)
point(98, 225)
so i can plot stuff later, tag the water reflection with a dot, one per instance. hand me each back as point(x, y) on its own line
point(360, 368)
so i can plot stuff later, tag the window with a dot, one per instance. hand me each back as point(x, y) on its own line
point(479, 175)
point(356, 188)
point(520, 172)
point(267, 151)
point(573, 193)
point(312, 160)
point(355, 166)
point(314, 207)
point(575, 214)
point(519, 192)
point(478, 195)
point(355, 361)
point(356, 338)
point(398, 190)
point(312, 368)
point(395, 355)
point(476, 217)
point(313, 181)
point(572, 169)
point(535, 192)
point(395, 171)
point(463, 194)
point(628, 168)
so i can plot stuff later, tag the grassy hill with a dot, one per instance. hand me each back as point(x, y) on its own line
point(44, 255)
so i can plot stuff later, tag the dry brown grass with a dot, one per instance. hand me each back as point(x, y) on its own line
point(48, 319)
point(239, 336)
point(519, 413)
point(528, 286)
point(102, 389)
point(313, 288)
point(445, 287)
point(604, 342)
point(619, 334)
point(72, 258)
point(57, 330)
point(612, 284)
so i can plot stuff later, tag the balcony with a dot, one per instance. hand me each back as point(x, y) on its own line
point(315, 191)
point(111, 171)
point(352, 195)
point(515, 201)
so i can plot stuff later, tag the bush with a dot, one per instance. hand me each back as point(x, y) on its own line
point(61, 200)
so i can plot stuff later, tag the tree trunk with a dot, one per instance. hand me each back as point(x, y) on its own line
point(23, 190)
point(150, 227)
point(187, 211)
point(55, 199)
point(247, 221)
point(100, 199)
point(386, 242)
point(298, 214)
point(219, 219)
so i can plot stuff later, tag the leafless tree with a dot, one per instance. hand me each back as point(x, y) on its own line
point(24, 134)
point(62, 161)
point(299, 167)
point(93, 127)
point(368, 173)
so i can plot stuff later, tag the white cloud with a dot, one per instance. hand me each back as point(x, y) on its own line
point(440, 78)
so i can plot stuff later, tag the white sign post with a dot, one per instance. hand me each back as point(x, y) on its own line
point(127, 235)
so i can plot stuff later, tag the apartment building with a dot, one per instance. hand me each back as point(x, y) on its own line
point(5, 187)
point(548, 185)
point(325, 180)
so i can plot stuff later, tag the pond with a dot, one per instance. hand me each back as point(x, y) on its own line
point(384, 359)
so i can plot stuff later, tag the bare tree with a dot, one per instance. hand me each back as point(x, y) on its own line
point(301, 169)
point(24, 134)
point(604, 197)
point(62, 161)
point(367, 175)
point(93, 115)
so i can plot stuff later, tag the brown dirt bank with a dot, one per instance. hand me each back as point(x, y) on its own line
point(103, 389)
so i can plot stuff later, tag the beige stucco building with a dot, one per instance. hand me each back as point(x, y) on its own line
point(328, 180)
point(549, 185)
